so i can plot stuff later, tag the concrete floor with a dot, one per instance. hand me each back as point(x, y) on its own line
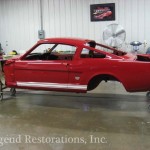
point(107, 118)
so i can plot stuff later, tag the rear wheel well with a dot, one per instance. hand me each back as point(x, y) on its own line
point(95, 81)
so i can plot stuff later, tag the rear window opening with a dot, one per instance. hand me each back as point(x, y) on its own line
point(142, 58)
point(106, 48)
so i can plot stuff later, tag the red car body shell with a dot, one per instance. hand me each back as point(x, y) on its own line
point(75, 75)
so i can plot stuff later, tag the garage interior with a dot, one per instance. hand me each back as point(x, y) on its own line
point(107, 118)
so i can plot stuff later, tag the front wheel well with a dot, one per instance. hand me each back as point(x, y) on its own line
point(95, 81)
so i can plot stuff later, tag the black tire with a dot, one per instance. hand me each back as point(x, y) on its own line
point(12, 91)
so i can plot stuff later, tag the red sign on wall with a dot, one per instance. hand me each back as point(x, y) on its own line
point(103, 12)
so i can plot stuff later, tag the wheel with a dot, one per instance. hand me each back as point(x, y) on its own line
point(12, 91)
point(148, 94)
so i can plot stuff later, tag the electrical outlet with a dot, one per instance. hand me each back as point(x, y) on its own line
point(41, 34)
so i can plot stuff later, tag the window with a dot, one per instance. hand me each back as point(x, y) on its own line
point(42, 48)
point(64, 49)
point(52, 52)
point(86, 53)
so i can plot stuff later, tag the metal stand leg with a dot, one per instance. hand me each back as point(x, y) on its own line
point(148, 94)
point(12, 91)
point(1, 91)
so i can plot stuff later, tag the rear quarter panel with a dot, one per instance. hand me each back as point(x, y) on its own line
point(135, 76)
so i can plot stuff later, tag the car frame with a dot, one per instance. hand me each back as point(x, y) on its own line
point(79, 70)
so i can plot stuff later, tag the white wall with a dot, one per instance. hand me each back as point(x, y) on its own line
point(20, 20)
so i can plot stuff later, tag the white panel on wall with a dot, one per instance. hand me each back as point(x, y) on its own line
point(127, 17)
point(68, 14)
point(20, 20)
point(80, 19)
point(19, 24)
point(63, 21)
point(147, 21)
point(141, 20)
point(49, 18)
point(134, 20)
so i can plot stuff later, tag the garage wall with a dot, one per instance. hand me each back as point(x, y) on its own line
point(20, 20)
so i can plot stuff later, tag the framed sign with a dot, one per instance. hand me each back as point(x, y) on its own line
point(102, 12)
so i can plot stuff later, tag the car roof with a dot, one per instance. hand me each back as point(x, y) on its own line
point(74, 41)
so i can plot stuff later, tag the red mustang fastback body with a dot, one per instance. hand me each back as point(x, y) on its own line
point(76, 65)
